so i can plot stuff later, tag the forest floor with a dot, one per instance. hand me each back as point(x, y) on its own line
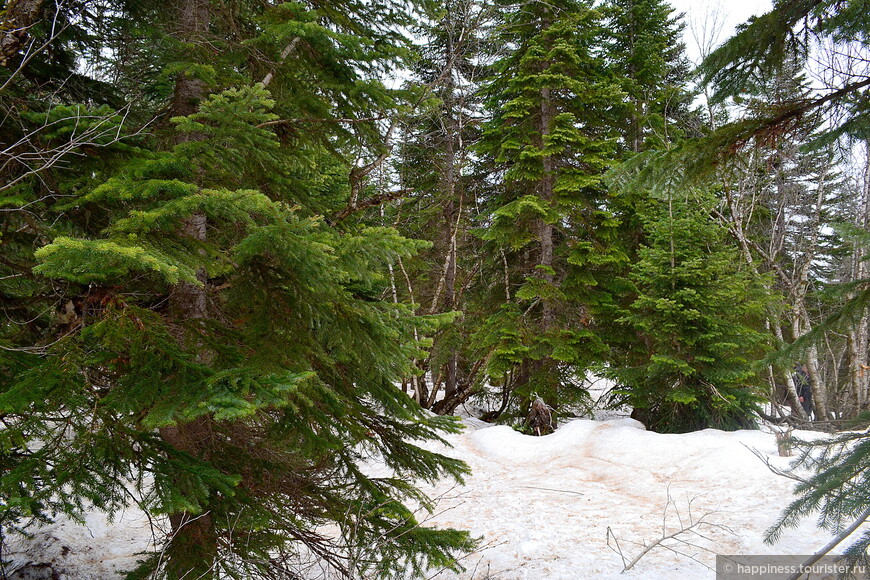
point(560, 506)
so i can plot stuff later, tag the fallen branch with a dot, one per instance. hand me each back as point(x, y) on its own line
point(772, 468)
point(690, 528)
point(551, 489)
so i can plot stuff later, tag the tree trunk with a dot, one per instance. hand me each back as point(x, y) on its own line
point(858, 338)
point(547, 195)
point(546, 233)
point(772, 322)
point(820, 392)
point(634, 129)
point(451, 121)
point(800, 326)
point(194, 542)
point(820, 395)
point(794, 398)
point(18, 17)
point(451, 228)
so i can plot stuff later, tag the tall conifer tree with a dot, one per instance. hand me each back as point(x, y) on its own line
point(548, 143)
point(647, 54)
point(212, 344)
point(433, 166)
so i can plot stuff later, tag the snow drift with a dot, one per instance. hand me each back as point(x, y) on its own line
point(555, 507)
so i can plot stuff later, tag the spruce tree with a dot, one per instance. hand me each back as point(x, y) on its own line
point(697, 315)
point(547, 146)
point(212, 346)
point(647, 55)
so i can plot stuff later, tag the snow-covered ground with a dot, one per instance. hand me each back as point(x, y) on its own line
point(555, 507)
point(546, 507)
point(97, 550)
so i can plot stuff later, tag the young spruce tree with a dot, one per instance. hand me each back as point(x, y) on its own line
point(698, 315)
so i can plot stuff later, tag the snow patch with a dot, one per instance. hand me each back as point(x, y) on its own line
point(550, 507)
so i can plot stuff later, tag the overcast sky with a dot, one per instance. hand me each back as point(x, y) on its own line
point(715, 19)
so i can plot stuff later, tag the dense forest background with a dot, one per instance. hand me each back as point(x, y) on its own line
point(247, 245)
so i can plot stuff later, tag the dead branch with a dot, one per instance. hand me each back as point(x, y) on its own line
point(691, 527)
point(774, 469)
point(370, 202)
point(304, 120)
point(291, 46)
point(103, 131)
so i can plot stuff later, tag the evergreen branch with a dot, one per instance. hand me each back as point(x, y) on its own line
point(755, 46)
point(799, 109)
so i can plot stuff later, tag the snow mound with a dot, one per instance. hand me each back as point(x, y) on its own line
point(551, 507)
